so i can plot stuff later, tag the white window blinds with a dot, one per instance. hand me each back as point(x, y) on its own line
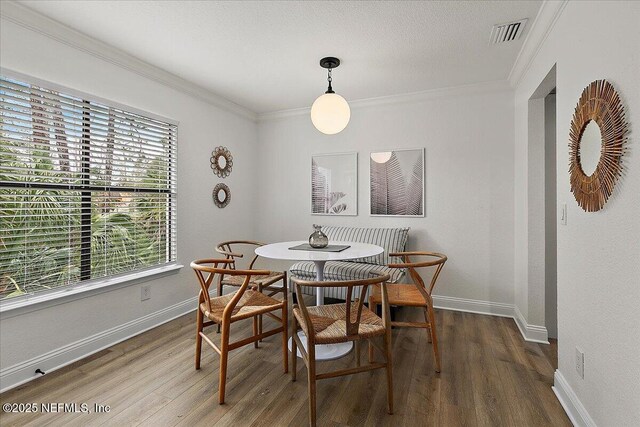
point(87, 190)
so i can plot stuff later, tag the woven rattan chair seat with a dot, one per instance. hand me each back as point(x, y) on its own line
point(399, 294)
point(329, 324)
point(252, 303)
point(264, 281)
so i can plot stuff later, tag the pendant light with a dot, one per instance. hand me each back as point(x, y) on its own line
point(330, 113)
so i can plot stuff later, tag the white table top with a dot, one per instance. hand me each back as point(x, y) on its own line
point(281, 251)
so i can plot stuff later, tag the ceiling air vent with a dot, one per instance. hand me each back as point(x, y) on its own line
point(503, 33)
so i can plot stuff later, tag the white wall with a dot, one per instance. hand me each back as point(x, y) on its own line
point(598, 253)
point(200, 223)
point(476, 200)
point(468, 136)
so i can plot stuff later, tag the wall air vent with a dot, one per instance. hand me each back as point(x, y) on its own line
point(508, 32)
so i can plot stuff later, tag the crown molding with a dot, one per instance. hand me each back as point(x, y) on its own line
point(544, 22)
point(32, 20)
point(405, 98)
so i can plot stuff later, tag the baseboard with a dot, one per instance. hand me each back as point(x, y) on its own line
point(473, 306)
point(23, 372)
point(531, 333)
point(570, 402)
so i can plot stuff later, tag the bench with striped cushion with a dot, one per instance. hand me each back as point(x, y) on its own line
point(391, 239)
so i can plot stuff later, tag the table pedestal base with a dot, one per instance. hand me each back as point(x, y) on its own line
point(325, 351)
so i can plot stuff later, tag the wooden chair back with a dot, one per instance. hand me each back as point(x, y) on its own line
point(227, 249)
point(353, 311)
point(433, 259)
point(207, 269)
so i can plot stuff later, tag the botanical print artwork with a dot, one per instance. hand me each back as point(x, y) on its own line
point(396, 181)
point(334, 187)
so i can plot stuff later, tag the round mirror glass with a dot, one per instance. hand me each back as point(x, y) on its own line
point(222, 162)
point(222, 195)
point(590, 147)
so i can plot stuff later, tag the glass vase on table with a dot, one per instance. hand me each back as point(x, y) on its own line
point(318, 239)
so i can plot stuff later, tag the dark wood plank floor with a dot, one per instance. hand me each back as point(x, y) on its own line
point(490, 377)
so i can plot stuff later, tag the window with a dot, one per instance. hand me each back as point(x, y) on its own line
point(87, 190)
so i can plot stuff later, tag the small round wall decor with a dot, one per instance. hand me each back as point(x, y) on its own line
point(221, 195)
point(221, 162)
point(596, 144)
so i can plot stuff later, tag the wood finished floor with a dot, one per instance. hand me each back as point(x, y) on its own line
point(490, 377)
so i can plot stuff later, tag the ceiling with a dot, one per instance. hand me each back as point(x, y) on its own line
point(264, 55)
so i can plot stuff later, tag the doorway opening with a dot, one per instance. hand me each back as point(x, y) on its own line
point(550, 218)
point(543, 215)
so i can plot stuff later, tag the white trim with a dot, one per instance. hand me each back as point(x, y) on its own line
point(26, 304)
point(547, 17)
point(23, 372)
point(28, 18)
point(531, 333)
point(569, 400)
point(473, 306)
point(405, 98)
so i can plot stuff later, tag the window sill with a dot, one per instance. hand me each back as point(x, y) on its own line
point(29, 303)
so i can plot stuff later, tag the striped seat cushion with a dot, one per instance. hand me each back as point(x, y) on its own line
point(341, 270)
point(391, 239)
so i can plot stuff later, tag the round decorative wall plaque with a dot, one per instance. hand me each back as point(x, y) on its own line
point(221, 195)
point(221, 162)
point(596, 144)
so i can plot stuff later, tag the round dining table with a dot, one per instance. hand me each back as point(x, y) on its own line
point(355, 250)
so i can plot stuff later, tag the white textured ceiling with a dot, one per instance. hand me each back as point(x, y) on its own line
point(264, 55)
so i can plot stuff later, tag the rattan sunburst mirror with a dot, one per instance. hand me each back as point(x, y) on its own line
point(221, 161)
point(598, 117)
point(221, 195)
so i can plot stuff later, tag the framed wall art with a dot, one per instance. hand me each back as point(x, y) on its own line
point(334, 184)
point(396, 183)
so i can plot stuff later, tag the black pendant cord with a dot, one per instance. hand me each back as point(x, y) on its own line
point(329, 79)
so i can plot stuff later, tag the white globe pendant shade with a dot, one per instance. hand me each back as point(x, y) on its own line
point(330, 113)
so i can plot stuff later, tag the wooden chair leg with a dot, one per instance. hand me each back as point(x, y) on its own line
point(294, 349)
point(311, 373)
point(260, 316)
point(434, 336)
point(373, 307)
point(389, 368)
point(219, 294)
point(294, 297)
point(357, 345)
point(426, 319)
point(255, 330)
point(199, 328)
point(285, 287)
point(224, 357)
point(285, 338)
